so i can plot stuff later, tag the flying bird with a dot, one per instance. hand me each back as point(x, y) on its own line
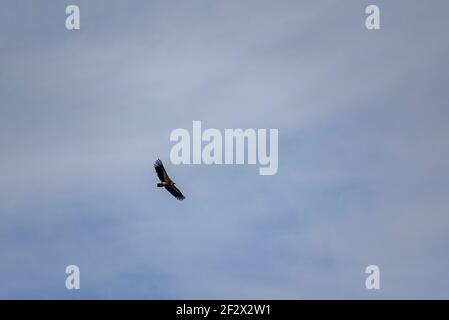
point(166, 182)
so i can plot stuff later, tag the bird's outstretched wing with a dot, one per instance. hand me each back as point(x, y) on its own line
point(175, 192)
point(160, 170)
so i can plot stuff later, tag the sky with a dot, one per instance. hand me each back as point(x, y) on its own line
point(363, 174)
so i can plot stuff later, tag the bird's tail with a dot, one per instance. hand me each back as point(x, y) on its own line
point(160, 185)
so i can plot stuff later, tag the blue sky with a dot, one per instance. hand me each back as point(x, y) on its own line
point(363, 154)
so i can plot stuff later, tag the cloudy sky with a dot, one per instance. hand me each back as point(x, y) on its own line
point(363, 149)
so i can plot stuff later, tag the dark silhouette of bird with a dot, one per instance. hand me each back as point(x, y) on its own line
point(166, 182)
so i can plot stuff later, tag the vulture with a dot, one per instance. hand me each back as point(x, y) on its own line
point(166, 182)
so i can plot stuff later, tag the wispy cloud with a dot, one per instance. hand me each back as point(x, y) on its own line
point(363, 174)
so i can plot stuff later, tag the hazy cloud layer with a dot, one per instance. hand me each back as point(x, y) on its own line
point(363, 154)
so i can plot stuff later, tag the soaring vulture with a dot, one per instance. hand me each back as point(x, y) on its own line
point(166, 182)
